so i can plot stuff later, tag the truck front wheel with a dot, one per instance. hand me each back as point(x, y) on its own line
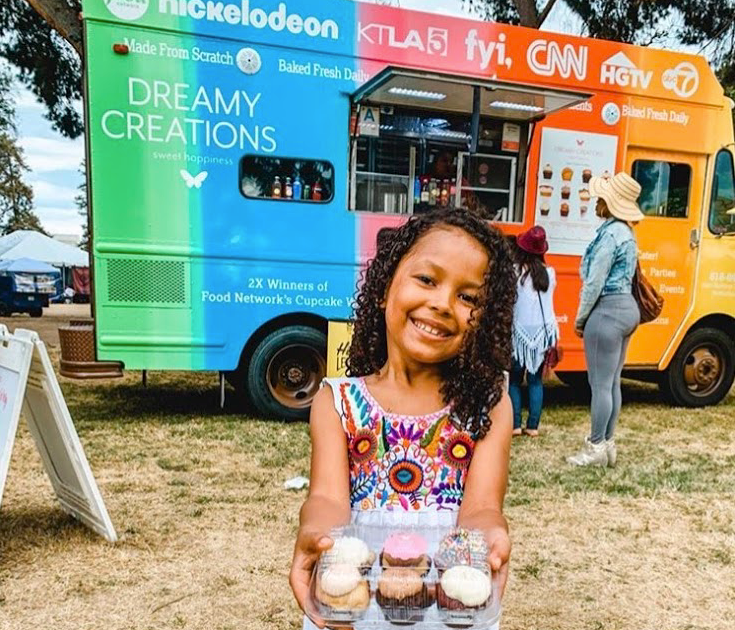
point(286, 370)
point(702, 370)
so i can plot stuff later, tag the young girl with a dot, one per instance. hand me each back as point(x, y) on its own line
point(534, 326)
point(431, 343)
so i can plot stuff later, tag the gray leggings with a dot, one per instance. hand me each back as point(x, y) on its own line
point(606, 335)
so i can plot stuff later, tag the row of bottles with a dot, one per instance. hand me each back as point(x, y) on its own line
point(433, 192)
point(296, 189)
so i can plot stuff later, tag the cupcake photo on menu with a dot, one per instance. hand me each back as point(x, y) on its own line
point(545, 208)
point(565, 192)
point(584, 195)
point(582, 210)
point(567, 174)
point(586, 176)
point(545, 191)
point(564, 209)
point(548, 171)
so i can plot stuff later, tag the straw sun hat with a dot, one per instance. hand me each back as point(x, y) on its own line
point(620, 193)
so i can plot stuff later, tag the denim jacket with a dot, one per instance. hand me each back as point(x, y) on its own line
point(608, 266)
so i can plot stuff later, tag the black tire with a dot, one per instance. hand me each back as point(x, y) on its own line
point(285, 371)
point(36, 312)
point(702, 370)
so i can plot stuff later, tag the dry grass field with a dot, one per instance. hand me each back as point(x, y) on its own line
point(206, 529)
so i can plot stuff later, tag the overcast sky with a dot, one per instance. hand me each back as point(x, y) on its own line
point(54, 160)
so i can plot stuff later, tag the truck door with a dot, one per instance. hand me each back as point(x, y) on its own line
point(668, 239)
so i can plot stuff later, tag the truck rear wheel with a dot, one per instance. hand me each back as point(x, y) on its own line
point(285, 372)
point(702, 370)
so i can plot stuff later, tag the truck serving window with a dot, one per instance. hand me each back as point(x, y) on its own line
point(665, 188)
point(420, 161)
point(421, 139)
point(286, 179)
point(722, 205)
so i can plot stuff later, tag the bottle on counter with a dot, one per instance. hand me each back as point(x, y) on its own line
point(316, 193)
point(276, 189)
point(307, 192)
point(425, 192)
point(433, 192)
point(297, 187)
point(417, 190)
point(288, 189)
point(445, 193)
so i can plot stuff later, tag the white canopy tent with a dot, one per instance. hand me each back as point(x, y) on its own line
point(29, 244)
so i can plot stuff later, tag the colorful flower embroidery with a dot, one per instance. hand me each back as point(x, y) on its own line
point(402, 462)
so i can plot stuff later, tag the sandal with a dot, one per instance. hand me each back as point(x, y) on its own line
point(533, 433)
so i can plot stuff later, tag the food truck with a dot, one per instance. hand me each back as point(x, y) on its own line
point(243, 154)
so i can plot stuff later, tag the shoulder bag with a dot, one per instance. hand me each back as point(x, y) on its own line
point(650, 303)
point(553, 354)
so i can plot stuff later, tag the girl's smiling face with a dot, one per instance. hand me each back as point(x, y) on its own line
point(432, 294)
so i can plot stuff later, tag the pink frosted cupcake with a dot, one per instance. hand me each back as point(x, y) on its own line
point(406, 550)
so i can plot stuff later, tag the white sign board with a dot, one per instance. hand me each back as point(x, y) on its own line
point(15, 359)
point(52, 429)
point(369, 123)
point(564, 207)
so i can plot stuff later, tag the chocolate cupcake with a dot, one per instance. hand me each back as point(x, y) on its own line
point(406, 551)
point(565, 192)
point(564, 209)
point(545, 208)
point(402, 595)
point(463, 588)
point(341, 592)
point(548, 171)
point(586, 175)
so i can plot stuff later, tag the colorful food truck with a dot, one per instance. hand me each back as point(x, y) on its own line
point(243, 155)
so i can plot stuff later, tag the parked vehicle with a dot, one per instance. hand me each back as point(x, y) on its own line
point(26, 286)
point(242, 157)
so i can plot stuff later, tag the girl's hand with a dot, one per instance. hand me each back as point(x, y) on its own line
point(309, 546)
point(579, 331)
point(499, 554)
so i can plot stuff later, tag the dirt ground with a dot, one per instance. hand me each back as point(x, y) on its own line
point(206, 528)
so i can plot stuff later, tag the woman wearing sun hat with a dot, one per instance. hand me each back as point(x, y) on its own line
point(534, 326)
point(608, 313)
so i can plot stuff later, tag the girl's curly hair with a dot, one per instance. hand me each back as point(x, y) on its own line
point(474, 379)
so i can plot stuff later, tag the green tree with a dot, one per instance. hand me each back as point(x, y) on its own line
point(42, 40)
point(16, 196)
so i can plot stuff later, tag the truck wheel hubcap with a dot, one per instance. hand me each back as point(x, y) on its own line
point(294, 375)
point(703, 370)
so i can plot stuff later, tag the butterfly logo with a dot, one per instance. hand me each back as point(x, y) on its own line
point(580, 143)
point(193, 181)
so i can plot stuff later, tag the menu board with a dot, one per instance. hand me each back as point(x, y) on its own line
point(564, 206)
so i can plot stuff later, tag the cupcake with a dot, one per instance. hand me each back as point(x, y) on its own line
point(406, 551)
point(545, 209)
point(548, 171)
point(341, 589)
point(586, 175)
point(463, 588)
point(545, 191)
point(564, 209)
point(584, 194)
point(565, 192)
point(567, 173)
point(460, 546)
point(351, 551)
point(402, 595)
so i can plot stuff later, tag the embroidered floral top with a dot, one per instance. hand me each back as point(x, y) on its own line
point(400, 462)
